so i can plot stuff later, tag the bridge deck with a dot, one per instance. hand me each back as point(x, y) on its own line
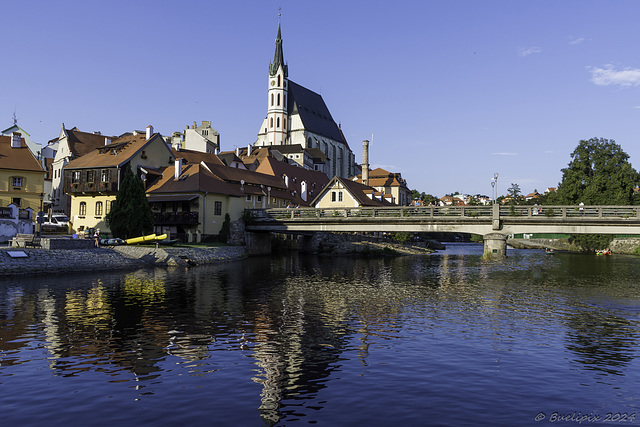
point(468, 219)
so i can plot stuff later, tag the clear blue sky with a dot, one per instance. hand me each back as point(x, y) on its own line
point(450, 92)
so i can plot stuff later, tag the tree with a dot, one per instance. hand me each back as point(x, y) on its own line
point(598, 174)
point(130, 214)
point(514, 191)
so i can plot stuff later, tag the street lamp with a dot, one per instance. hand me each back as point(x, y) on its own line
point(495, 184)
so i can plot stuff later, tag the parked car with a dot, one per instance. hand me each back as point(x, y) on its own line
point(57, 223)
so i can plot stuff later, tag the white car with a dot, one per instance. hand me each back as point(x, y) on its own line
point(58, 222)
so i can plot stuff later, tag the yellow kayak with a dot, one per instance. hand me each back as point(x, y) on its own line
point(141, 239)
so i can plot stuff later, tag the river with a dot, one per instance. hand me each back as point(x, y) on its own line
point(444, 340)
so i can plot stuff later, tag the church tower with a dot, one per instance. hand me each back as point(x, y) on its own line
point(277, 117)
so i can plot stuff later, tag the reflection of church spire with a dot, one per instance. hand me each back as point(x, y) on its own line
point(278, 57)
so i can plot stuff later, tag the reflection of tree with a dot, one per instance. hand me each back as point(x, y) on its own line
point(596, 341)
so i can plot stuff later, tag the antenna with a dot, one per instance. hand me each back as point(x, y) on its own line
point(15, 119)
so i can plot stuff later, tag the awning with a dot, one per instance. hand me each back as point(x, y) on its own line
point(155, 198)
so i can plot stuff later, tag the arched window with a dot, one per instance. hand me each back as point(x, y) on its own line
point(271, 123)
point(285, 99)
point(278, 100)
point(278, 80)
point(83, 208)
point(98, 208)
point(278, 122)
point(272, 100)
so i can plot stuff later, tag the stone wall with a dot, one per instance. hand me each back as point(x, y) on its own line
point(44, 261)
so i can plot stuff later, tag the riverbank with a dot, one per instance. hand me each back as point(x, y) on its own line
point(111, 258)
point(618, 246)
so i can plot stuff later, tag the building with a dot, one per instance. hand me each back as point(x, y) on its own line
point(297, 115)
point(388, 183)
point(201, 138)
point(70, 144)
point(21, 174)
point(93, 179)
point(191, 200)
point(345, 193)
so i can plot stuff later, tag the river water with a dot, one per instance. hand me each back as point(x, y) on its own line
point(446, 339)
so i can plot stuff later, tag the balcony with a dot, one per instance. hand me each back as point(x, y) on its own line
point(90, 187)
point(176, 218)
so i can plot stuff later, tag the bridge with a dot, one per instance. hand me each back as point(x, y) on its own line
point(494, 222)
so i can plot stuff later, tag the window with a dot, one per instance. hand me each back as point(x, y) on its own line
point(340, 196)
point(271, 123)
point(333, 196)
point(105, 176)
point(16, 181)
point(278, 80)
point(75, 177)
point(16, 201)
point(217, 208)
point(272, 100)
point(98, 209)
point(83, 208)
point(278, 100)
point(90, 176)
point(109, 202)
point(248, 197)
point(278, 122)
point(259, 198)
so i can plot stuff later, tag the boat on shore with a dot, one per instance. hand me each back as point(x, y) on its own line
point(150, 238)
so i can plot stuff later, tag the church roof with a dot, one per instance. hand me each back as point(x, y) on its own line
point(313, 112)
point(278, 57)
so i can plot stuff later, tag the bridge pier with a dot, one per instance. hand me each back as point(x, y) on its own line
point(258, 243)
point(495, 246)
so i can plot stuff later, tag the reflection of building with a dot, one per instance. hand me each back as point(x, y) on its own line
point(297, 115)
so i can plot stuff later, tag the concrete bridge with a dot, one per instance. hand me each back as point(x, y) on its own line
point(493, 222)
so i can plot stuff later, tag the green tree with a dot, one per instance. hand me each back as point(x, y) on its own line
point(130, 214)
point(598, 174)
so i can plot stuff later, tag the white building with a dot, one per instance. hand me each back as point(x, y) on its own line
point(297, 115)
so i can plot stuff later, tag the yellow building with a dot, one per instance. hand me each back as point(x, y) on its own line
point(92, 181)
point(344, 193)
point(389, 183)
point(191, 200)
point(21, 174)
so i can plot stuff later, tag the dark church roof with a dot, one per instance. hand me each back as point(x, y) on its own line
point(313, 112)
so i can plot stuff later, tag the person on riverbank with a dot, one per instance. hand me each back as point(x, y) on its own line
point(96, 238)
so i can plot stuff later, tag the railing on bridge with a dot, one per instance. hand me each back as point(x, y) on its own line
point(466, 212)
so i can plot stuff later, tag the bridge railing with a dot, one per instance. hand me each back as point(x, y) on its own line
point(443, 212)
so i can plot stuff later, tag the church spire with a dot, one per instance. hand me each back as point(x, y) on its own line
point(278, 57)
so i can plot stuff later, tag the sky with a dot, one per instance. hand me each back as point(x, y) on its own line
point(448, 92)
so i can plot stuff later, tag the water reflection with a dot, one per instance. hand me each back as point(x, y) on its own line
point(303, 320)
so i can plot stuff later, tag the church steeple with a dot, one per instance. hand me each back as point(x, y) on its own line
point(278, 57)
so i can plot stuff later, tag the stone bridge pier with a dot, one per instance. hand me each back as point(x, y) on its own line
point(495, 246)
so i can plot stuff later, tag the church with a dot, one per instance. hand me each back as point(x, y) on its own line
point(297, 116)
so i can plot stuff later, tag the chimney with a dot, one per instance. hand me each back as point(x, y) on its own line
point(149, 131)
point(97, 132)
point(365, 162)
point(107, 141)
point(249, 149)
point(178, 168)
point(15, 139)
point(238, 151)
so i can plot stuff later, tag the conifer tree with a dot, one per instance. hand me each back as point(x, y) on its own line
point(130, 215)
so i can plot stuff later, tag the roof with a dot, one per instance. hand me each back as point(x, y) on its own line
point(313, 112)
point(194, 178)
point(81, 143)
point(315, 180)
point(192, 157)
point(382, 178)
point(17, 158)
point(115, 154)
